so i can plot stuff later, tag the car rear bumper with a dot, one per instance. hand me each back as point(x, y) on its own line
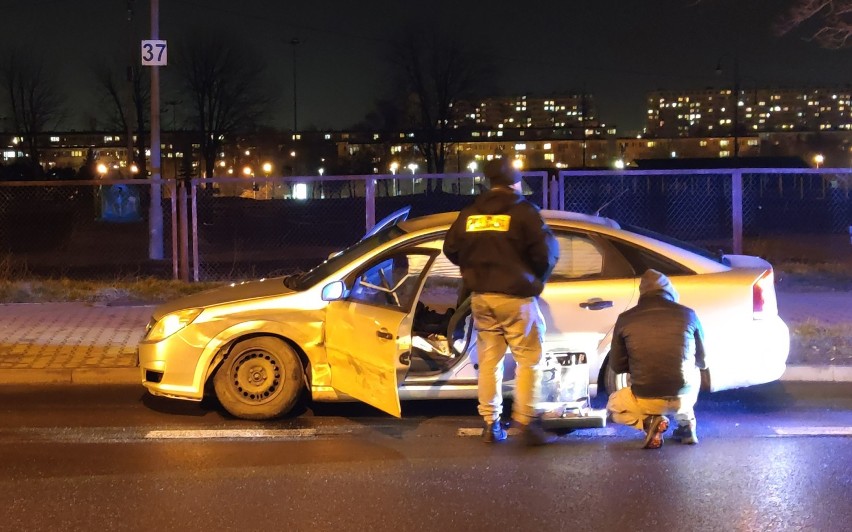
point(760, 356)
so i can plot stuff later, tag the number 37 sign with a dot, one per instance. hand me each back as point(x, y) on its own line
point(154, 53)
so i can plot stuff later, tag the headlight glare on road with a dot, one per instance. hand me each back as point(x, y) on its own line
point(172, 323)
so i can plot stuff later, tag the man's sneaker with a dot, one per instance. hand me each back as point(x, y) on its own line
point(494, 432)
point(534, 434)
point(685, 434)
point(655, 426)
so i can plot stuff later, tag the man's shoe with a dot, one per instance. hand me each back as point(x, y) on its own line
point(655, 426)
point(534, 434)
point(494, 432)
point(685, 434)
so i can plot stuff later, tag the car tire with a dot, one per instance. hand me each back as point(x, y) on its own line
point(615, 381)
point(261, 378)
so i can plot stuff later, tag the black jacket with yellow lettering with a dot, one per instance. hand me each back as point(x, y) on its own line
point(502, 244)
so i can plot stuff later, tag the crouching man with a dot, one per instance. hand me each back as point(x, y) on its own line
point(659, 342)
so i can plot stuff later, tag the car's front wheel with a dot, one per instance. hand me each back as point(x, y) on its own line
point(615, 381)
point(261, 378)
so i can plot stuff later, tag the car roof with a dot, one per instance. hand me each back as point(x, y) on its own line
point(447, 218)
point(694, 261)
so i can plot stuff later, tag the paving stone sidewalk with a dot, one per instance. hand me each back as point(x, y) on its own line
point(80, 342)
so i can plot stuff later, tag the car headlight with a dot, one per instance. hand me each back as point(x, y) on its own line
point(172, 323)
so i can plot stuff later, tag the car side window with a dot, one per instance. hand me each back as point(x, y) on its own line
point(579, 258)
point(392, 281)
point(641, 260)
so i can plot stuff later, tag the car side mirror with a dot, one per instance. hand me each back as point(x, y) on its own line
point(333, 291)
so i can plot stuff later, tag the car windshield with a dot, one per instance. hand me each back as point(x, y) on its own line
point(698, 250)
point(335, 261)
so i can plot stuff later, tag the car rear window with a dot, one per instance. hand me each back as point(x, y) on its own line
point(698, 250)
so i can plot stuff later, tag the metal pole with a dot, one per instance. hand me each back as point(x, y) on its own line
point(737, 210)
point(370, 201)
point(194, 231)
point(155, 212)
point(736, 109)
point(184, 230)
point(294, 42)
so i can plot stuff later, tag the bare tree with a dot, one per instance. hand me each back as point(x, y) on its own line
point(224, 81)
point(833, 20)
point(127, 100)
point(436, 70)
point(32, 96)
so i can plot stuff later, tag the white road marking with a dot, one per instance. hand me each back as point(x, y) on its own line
point(231, 434)
point(813, 431)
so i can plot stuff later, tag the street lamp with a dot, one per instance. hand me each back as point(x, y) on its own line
point(472, 166)
point(102, 169)
point(819, 159)
point(294, 42)
point(736, 97)
point(413, 167)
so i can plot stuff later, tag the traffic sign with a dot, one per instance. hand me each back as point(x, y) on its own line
point(154, 53)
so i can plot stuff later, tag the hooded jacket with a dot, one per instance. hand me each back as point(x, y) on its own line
point(659, 342)
point(502, 245)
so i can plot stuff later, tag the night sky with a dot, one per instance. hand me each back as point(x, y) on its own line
point(617, 49)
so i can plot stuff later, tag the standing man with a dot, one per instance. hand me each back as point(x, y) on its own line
point(505, 252)
point(660, 343)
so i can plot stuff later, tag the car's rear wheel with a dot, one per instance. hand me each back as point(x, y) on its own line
point(615, 381)
point(261, 378)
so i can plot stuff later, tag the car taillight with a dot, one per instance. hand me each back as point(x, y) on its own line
point(764, 302)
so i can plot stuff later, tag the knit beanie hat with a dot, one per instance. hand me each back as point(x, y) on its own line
point(654, 281)
point(500, 172)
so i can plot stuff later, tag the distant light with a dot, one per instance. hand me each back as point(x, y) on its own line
point(472, 166)
point(413, 167)
point(134, 169)
point(248, 152)
point(292, 154)
point(247, 170)
point(674, 154)
point(394, 166)
point(300, 191)
point(222, 164)
point(518, 164)
point(267, 167)
point(231, 171)
point(619, 163)
point(102, 169)
point(321, 170)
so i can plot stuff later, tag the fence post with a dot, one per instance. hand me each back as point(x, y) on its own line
point(370, 200)
point(554, 194)
point(194, 214)
point(737, 210)
point(173, 193)
point(184, 233)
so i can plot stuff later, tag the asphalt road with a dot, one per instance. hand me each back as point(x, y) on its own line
point(776, 457)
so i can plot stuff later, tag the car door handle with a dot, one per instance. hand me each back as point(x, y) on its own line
point(383, 333)
point(596, 304)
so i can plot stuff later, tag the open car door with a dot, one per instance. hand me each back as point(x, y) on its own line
point(368, 332)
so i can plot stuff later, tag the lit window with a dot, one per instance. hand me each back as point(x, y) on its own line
point(547, 146)
point(54, 139)
point(548, 157)
point(520, 147)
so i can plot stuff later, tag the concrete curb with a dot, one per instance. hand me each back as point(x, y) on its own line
point(71, 376)
point(131, 375)
point(818, 374)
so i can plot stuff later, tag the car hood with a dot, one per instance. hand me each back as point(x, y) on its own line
point(226, 294)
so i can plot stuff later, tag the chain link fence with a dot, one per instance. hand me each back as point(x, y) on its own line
point(715, 209)
point(80, 229)
point(252, 227)
point(248, 227)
